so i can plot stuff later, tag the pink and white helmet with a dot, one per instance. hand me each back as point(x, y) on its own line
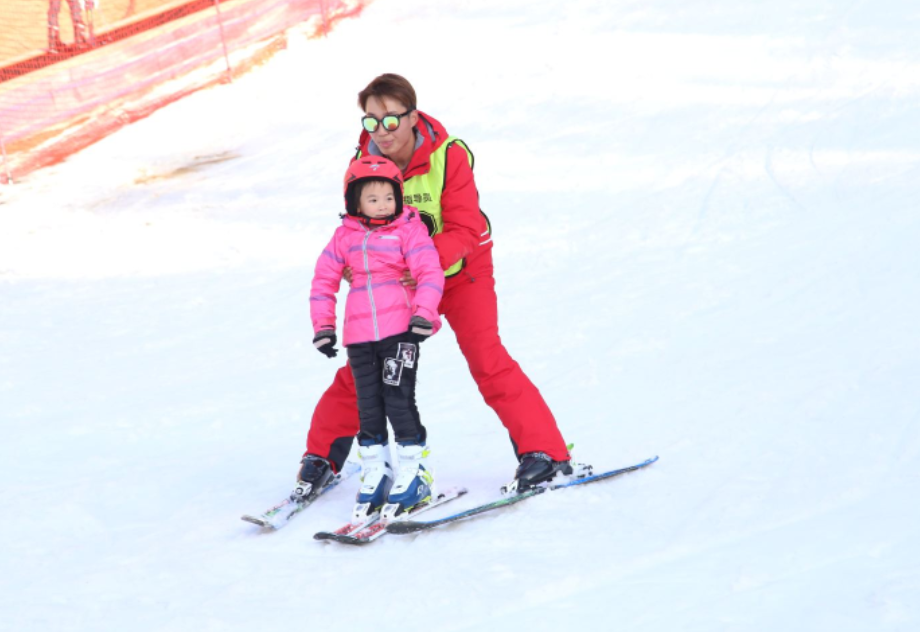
point(372, 168)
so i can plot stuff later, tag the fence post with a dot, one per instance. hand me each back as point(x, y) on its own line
point(6, 165)
point(223, 40)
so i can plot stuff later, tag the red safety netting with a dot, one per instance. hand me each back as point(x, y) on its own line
point(72, 71)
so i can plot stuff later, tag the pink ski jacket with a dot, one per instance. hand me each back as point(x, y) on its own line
point(378, 305)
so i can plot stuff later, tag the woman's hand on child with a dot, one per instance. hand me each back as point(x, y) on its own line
point(408, 281)
point(325, 341)
point(347, 275)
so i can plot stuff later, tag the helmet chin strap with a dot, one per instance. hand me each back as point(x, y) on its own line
point(375, 221)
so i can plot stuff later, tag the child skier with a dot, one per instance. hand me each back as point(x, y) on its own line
point(384, 323)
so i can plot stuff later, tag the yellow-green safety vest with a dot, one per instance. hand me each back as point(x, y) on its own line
point(423, 191)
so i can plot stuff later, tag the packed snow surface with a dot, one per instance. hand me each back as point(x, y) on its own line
point(707, 246)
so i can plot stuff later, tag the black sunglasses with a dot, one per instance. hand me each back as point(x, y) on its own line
point(390, 121)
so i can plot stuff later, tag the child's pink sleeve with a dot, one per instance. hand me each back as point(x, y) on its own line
point(425, 265)
point(327, 277)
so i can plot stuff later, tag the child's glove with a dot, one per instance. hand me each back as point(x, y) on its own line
point(325, 341)
point(420, 328)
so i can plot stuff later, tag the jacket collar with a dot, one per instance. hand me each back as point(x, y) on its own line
point(409, 214)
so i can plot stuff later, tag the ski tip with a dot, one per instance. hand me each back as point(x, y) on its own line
point(327, 536)
point(259, 522)
point(648, 461)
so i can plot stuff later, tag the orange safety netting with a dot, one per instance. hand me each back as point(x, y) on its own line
point(72, 71)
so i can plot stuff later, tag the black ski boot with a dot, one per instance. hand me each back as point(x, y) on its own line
point(538, 467)
point(315, 473)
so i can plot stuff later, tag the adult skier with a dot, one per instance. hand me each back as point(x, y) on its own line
point(438, 180)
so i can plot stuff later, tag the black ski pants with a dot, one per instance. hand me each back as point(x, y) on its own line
point(385, 375)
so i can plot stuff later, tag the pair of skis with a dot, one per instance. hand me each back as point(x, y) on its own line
point(374, 528)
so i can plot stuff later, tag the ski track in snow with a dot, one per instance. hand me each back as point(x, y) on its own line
point(706, 233)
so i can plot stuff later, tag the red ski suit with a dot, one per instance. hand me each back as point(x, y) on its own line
point(470, 305)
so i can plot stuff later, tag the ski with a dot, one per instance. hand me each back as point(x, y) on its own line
point(280, 514)
point(349, 528)
point(376, 527)
point(413, 526)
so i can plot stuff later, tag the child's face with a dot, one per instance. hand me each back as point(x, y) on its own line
point(377, 200)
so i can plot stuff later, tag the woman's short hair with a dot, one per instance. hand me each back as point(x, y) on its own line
point(388, 85)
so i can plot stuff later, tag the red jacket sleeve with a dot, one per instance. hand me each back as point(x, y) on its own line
point(464, 224)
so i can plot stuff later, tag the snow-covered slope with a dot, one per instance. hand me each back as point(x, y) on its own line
point(707, 248)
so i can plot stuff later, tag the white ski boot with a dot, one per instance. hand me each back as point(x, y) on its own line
point(376, 481)
point(414, 481)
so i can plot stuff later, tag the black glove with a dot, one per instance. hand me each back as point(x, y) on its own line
point(420, 328)
point(325, 341)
